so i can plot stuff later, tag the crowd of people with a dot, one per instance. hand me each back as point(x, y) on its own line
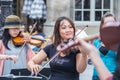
point(68, 63)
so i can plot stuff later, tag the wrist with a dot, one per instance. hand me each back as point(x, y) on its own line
point(30, 63)
point(84, 55)
point(7, 57)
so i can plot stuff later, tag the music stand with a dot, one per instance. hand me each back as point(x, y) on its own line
point(46, 72)
point(21, 72)
point(13, 77)
point(24, 74)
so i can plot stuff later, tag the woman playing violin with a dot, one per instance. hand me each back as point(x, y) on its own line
point(9, 50)
point(68, 64)
point(108, 56)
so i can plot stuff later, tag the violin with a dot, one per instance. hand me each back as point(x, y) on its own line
point(110, 35)
point(35, 40)
point(63, 47)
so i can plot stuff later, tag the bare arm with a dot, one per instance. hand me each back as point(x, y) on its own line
point(101, 68)
point(33, 64)
point(92, 52)
point(81, 61)
point(3, 57)
point(9, 57)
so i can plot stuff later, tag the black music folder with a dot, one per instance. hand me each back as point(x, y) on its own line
point(21, 72)
point(24, 74)
point(13, 77)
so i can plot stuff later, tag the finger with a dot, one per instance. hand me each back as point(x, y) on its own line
point(14, 58)
point(36, 69)
point(32, 72)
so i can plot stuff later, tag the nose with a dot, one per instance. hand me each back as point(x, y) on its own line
point(69, 29)
point(16, 29)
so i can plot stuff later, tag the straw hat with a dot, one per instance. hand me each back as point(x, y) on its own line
point(12, 21)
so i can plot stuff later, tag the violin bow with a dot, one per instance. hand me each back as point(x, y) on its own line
point(25, 40)
point(83, 29)
point(34, 25)
point(57, 53)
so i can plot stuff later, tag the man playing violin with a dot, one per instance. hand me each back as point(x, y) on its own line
point(68, 64)
point(11, 51)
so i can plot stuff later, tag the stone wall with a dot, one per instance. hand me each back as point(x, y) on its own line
point(117, 9)
point(55, 9)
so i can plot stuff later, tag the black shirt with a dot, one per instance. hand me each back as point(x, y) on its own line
point(62, 68)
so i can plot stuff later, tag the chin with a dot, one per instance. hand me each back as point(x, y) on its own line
point(14, 36)
point(68, 38)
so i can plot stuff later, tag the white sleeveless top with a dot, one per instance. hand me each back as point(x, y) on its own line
point(20, 64)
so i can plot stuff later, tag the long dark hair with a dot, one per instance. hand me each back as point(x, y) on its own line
point(56, 33)
point(116, 75)
point(6, 37)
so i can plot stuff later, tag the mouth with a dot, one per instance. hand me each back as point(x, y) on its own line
point(69, 35)
point(15, 34)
